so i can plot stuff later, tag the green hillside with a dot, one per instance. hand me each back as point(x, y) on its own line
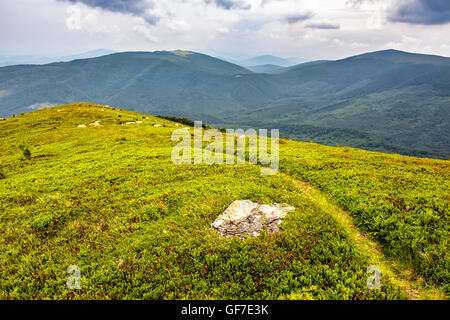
point(388, 101)
point(106, 196)
point(265, 68)
point(398, 100)
point(159, 81)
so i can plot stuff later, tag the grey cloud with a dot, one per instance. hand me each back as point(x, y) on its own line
point(425, 12)
point(134, 7)
point(294, 18)
point(230, 4)
point(323, 26)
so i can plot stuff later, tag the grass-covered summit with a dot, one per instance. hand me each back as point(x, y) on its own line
point(79, 186)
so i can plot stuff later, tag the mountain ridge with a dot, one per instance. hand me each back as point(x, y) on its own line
point(378, 94)
point(38, 60)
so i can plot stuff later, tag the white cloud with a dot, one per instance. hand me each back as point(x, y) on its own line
point(178, 25)
point(146, 33)
point(50, 26)
point(407, 43)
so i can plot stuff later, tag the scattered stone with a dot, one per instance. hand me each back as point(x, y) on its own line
point(133, 122)
point(157, 125)
point(177, 124)
point(81, 126)
point(245, 218)
point(95, 124)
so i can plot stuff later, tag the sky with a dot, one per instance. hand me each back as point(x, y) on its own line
point(233, 29)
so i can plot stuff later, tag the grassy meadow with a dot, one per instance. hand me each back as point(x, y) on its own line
point(403, 202)
point(108, 198)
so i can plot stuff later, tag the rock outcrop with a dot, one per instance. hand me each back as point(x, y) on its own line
point(245, 218)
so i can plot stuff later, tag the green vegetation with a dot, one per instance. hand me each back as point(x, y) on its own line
point(388, 101)
point(400, 201)
point(182, 121)
point(108, 199)
point(25, 151)
point(344, 137)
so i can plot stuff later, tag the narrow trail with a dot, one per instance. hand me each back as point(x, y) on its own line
point(399, 273)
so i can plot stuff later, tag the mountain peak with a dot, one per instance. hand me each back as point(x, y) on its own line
point(182, 53)
point(393, 53)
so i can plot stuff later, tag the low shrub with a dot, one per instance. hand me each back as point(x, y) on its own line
point(26, 152)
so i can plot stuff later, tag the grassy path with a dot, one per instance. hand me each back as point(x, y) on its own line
point(400, 274)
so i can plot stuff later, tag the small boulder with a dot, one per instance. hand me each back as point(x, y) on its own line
point(245, 218)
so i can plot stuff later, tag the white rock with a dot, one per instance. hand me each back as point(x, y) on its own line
point(246, 218)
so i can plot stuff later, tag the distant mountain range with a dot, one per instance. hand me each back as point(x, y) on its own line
point(268, 59)
point(265, 63)
point(31, 59)
point(388, 101)
point(271, 68)
point(266, 68)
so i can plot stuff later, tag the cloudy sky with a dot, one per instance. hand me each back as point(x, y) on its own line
point(307, 29)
